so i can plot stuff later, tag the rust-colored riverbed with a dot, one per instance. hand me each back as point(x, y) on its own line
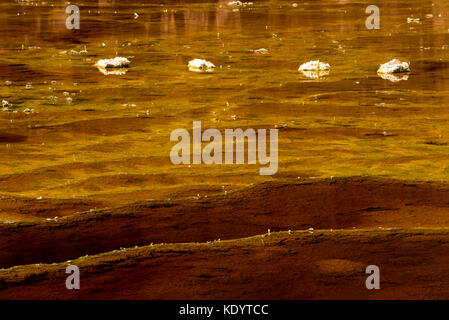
point(356, 151)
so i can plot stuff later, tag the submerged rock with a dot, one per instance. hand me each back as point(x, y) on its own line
point(117, 62)
point(394, 66)
point(200, 65)
point(314, 65)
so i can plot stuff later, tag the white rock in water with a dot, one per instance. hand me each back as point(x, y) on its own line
point(413, 20)
point(5, 104)
point(117, 62)
point(394, 66)
point(261, 51)
point(200, 65)
point(314, 65)
point(239, 3)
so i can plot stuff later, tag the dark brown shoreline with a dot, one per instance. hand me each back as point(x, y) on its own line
point(297, 265)
point(347, 203)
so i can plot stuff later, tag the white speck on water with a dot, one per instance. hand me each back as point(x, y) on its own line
point(261, 51)
point(413, 20)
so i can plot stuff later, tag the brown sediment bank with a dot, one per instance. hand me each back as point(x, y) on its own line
point(321, 204)
point(296, 265)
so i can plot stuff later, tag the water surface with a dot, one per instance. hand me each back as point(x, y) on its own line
point(110, 140)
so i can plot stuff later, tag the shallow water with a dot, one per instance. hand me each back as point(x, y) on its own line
point(111, 141)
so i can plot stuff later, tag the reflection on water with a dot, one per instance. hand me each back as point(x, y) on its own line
point(116, 72)
point(315, 74)
point(393, 77)
point(96, 135)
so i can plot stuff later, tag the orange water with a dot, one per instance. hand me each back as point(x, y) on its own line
point(111, 141)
